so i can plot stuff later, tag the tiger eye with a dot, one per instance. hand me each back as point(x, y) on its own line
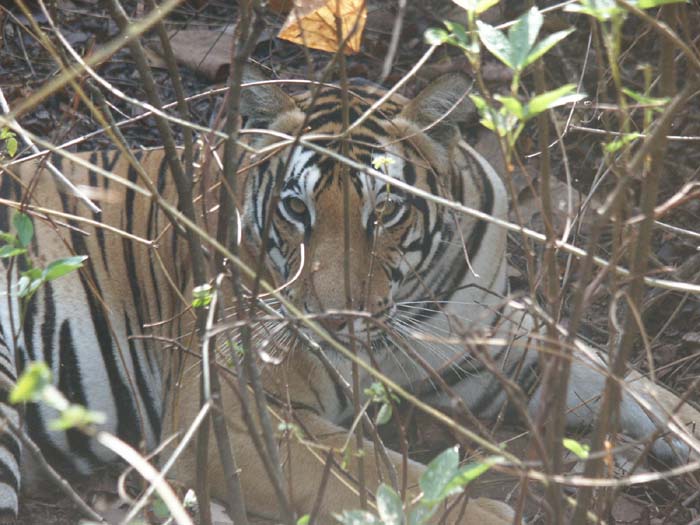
point(295, 205)
point(387, 208)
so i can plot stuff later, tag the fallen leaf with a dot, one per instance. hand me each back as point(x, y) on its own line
point(312, 23)
point(207, 51)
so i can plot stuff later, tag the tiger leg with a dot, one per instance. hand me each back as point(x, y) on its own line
point(637, 420)
point(303, 464)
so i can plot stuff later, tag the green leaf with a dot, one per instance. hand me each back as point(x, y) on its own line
point(202, 295)
point(522, 36)
point(61, 267)
point(376, 392)
point(11, 145)
point(76, 416)
point(496, 42)
point(644, 99)
point(438, 475)
point(648, 4)
point(390, 506)
point(458, 31)
point(384, 414)
point(10, 141)
point(435, 36)
point(159, 508)
point(357, 517)
point(8, 238)
point(581, 450)
point(25, 228)
point(30, 385)
point(512, 104)
point(485, 5)
point(551, 99)
point(304, 520)
point(469, 473)
point(479, 102)
point(546, 44)
point(621, 142)
point(11, 251)
point(476, 6)
point(420, 514)
point(602, 10)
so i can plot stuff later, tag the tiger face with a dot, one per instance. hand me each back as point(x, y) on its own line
point(352, 249)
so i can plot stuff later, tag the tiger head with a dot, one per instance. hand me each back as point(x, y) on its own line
point(343, 239)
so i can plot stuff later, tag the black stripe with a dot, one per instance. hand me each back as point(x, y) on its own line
point(58, 458)
point(128, 246)
point(96, 216)
point(29, 315)
point(9, 442)
point(142, 383)
point(7, 372)
point(70, 383)
point(108, 349)
point(7, 476)
point(48, 327)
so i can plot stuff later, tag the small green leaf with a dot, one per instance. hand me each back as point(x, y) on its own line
point(61, 267)
point(357, 517)
point(621, 142)
point(522, 36)
point(202, 295)
point(29, 282)
point(513, 105)
point(8, 238)
point(77, 416)
point(438, 475)
point(435, 36)
point(479, 102)
point(648, 4)
point(30, 385)
point(160, 509)
point(292, 429)
point(390, 506)
point(469, 473)
point(10, 141)
point(384, 414)
point(546, 44)
point(458, 31)
point(25, 228)
point(551, 99)
point(645, 100)
point(602, 10)
point(476, 6)
point(496, 42)
point(304, 520)
point(581, 450)
point(11, 145)
point(420, 514)
point(11, 251)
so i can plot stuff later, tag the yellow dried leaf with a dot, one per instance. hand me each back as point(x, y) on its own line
point(312, 23)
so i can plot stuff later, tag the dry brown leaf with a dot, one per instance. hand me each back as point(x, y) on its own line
point(312, 24)
point(207, 51)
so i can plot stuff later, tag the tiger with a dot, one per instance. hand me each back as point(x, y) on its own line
point(97, 329)
point(365, 229)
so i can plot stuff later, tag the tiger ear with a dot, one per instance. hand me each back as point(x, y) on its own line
point(264, 102)
point(442, 105)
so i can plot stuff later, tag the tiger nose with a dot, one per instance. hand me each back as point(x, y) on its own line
point(333, 323)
